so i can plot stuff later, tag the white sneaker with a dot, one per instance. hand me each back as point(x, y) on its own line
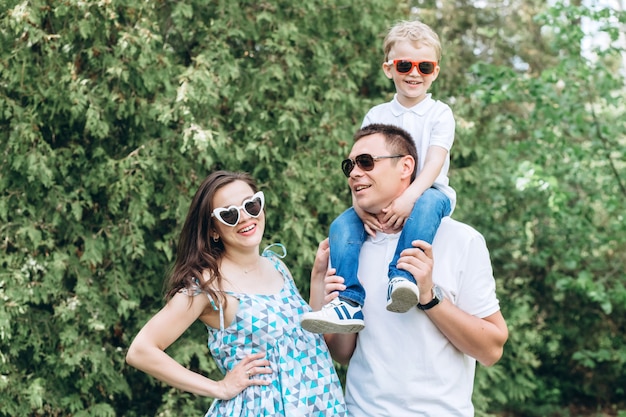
point(335, 317)
point(402, 295)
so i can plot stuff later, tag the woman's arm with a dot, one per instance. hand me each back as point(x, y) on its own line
point(147, 352)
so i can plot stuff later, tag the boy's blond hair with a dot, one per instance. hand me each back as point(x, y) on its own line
point(413, 31)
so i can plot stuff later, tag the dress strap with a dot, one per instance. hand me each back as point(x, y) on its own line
point(274, 256)
point(268, 251)
point(221, 315)
point(196, 289)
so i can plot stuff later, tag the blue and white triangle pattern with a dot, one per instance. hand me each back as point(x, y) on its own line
point(303, 380)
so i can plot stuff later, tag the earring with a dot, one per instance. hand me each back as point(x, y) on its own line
point(216, 238)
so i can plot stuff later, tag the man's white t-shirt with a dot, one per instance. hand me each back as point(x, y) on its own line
point(403, 365)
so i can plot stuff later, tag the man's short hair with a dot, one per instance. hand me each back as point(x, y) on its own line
point(397, 140)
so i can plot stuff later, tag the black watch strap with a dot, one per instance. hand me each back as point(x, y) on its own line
point(437, 297)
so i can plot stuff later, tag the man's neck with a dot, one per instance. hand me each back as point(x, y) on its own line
point(392, 231)
point(389, 231)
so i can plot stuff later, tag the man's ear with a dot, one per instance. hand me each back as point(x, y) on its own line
point(408, 165)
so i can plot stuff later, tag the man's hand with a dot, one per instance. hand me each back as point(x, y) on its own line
point(418, 261)
point(332, 285)
point(320, 264)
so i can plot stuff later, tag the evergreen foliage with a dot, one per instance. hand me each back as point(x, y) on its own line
point(113, 111)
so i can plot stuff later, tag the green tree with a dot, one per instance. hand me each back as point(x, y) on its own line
point(112, 112)
point(548, 190)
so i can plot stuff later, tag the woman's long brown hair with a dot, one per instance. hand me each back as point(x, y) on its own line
point(197, 252)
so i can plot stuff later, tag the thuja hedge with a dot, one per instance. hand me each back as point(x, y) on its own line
point(112, 112)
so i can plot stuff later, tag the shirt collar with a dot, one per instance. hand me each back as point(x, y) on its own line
point(381, 237)
point(419, 109)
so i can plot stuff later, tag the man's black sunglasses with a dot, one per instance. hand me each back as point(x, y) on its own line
point(364, 161)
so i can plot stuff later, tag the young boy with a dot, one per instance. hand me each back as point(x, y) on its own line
point(412, 54)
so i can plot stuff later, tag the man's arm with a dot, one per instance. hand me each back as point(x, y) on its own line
point(480, 338)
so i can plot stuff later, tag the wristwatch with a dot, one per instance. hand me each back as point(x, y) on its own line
point(437, 298)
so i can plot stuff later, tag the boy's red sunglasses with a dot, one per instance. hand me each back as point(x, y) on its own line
point(404, 66)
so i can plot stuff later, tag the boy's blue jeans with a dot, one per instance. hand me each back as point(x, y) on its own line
point(347, 234)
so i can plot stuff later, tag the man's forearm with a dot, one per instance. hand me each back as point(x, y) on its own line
point(341, 346)
point(482, 339)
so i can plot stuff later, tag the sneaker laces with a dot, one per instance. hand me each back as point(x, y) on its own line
point(396, 280)
point(334, 303)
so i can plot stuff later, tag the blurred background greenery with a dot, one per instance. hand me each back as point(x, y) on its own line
point(113, 111)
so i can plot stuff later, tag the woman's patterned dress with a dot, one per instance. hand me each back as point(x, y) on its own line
point(303, 381)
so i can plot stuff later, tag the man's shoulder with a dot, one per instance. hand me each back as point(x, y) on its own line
point(454, 231)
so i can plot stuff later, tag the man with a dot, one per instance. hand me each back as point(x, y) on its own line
point(422, 362)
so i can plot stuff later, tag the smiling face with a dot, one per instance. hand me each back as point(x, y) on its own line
point(248, 232)
point(411, 87)
point(376, 189)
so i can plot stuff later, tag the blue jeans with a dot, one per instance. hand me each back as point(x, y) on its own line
point(347, 235)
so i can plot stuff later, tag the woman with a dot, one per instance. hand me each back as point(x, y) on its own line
point(251, 308)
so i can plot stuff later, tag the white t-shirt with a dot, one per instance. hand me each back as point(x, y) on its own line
point(403, 365)
point(430, 122)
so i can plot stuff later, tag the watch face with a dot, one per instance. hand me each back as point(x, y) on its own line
point(437, 297)
point(437, 293)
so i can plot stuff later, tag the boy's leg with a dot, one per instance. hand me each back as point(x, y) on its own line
point(346, 236)
point(422, 224)
point(342, 315)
